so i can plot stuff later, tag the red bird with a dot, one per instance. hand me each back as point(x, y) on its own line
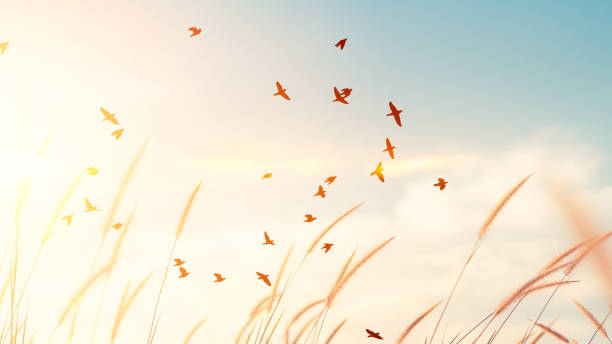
point(389, 149)
point(341, 97)
point(195, 31)
point(441, 183)
point(395, 113)
point(281, 91)
point(373, 334)
point(341, 43)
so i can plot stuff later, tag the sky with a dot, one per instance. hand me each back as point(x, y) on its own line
point(490, 93)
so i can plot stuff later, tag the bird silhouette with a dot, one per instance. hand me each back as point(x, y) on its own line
point(178, 262)
point(395, 113)
point(346, 92)
point(281, 91)
point(339, 97)
point(68, 219)
point(441, 183)
point(109, 116)
point(373, 334)
point(330, 180)
point(219, 278)
point(3, 46)
point(117, 133)
point(389, 149)
point(92, 171)
point(184, 272)
point(320, 192)
point(117, 225)
point(341, 44)
point(327, 247)
point(378, 172)
point(89, 206)
point(264, 278)
point(267, 175)
point(195, 31)
point(268, 241)
point(309, 218)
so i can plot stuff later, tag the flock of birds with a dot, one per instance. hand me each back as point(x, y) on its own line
point(340, 97)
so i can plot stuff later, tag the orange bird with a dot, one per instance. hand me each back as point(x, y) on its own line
point(219, 278)
point(3, 46)
point(92, 171)
point(327, 247)
point(89, 206)
point(330, 180)
point(68, 219)
point(389, 149)
point(117, 133)
point(309, 218)
point(281, 91)
point(195, 31)
point(441, 183)
point(109, 116)
point(264, 278)
point(267, 175)
point(117, 225)
point(321, 192)
point(268, 241)
point(395, 113)
point(178, 262)
point(378, 172)
point(341, 43)
point(340, 97)
point(184, 272)
point(373, 334)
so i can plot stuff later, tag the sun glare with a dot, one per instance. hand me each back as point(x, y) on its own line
point(23, 165)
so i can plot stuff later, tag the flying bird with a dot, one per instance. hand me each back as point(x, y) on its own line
point(373, 334)
point(339, 96)
point(117, 133)
point(330, 180)
point(109, 116)
point(3, 46)
point(184, 272)
point(281, 91)
point(341, 43)
point(219, 278)
point(264, 278)
point(117, 225)
point(68, 219)
point(267, 175)
point(327, 247)
point(389, 149)
point(89, 206)
point(178, 262)
point(268, 241)
point(195, 31)
point(378, 172)
point(92, 171)
point(309, 218)
point(320, 192)
point(441, 183)
point(346, 92)
point(395, 113)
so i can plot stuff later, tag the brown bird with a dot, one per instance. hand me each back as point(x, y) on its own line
point(178, 262)
point(184, 272)
point(219, 278)
point(330, 180)
point(264, 278)
point(378, 172)
point(117, 133)
point(395, 113)
point(195, 31)
point(68, 219)
point(89, 206)
point(341, 43)
point(389, 149)
point(327, 247)
point(339, 96)
point(268, 241)
point(320, 192)
point(281, 91)
point(441, 183)
point(109, 116)
point(92, 171)
point(373, 334)
point(3, 46)
point(267, 175)
point(117, 225)
point(309, 218)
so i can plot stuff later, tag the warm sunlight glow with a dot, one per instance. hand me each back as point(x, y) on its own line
point(22, 166)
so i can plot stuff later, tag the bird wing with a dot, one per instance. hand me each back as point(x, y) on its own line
point(193, 29)
point(105, 112)
point(88, 204)
point(337, 93)
point(218, 276)
point(380, 176)
point(266, 280)
point(391, 153)
point(279, 86)
point(441, 180)
point(392, 107)
point(182, 269)
point(397, 119)
point(370, 332)
point(320, 189)
point(267, 237)
point(285, 95)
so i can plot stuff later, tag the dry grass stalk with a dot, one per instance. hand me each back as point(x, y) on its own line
point(278, 279)
point(303, 329)
point(546, 286)
point(335, 331)
point(552, 332)
point(328, 228)
point(193, 331)
point(125, 305)
point(298, 315)
point(334, 289)
point(540, 335)
point(564, 254)
point(580, 256)
point(592, 319)
point(274, 328)
point(254, 312)
point(415, 322)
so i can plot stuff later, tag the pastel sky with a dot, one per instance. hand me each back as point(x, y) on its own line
point(490, 92)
